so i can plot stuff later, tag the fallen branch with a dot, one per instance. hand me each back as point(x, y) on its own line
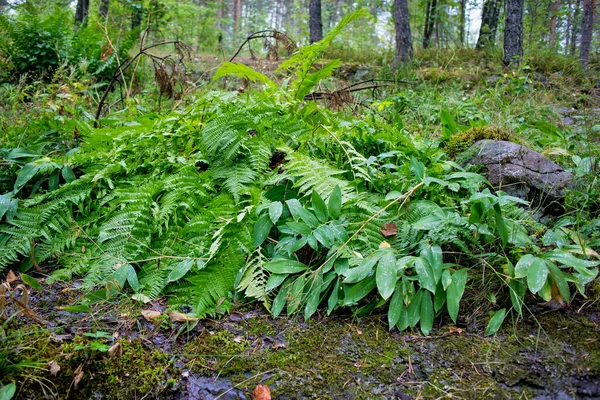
point(279, 37)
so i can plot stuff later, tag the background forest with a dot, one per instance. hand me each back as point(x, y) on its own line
point(182, 166)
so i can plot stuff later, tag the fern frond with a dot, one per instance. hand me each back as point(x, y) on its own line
point(242, 71)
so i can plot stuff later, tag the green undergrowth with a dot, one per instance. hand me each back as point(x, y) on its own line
point(265, 196)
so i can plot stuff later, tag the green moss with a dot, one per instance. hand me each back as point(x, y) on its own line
point(464, 140)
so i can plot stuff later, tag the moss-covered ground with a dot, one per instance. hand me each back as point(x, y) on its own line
point(555, 354)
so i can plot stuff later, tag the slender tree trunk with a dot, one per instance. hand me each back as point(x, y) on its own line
point(430, 19)
point(315, 21)
point(404, 46)
point(575, 27)
point(553, 19)
point(513, 32)
point(489, 24)
point(587, 29)
point(104, 8)
point(237, 13)
point(81, 11)
point(568, 27)
point(461, 28)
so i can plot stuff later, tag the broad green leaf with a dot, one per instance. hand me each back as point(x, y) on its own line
point(25, 175)
point(8, 205)
point(414, 309)
point(274, 281)
point(281, 298)
point(523, 265)
point(495, 322)
point(67, 174)
point(439, 299)
point(393, 195)
point(275, 210)
point(433, 254)
point(32, 282)
point(319, 207)
point(120, 275)
point(325, 235)
point(455, 292)
point(500, 225)
point(358, 291)
point(396, 306)
point(294, 206)
point(426, 313)
point(180, 269)
point(296, 295)
point(333, 298)
point(308, 217)
point(299, 227)
point(285, 266)
point(517, 294)
point(386, 275)
point(79, 308)
point(569, 259)
point(417, 168)
point(335, 203)
point(537, 275)
point(477, 211)
point(8, 391)
point(446, 279)
point(313, 299)
point(132, 278)
point(559, 278)
point(425, 274)
point(261, 230)
point(359, 273)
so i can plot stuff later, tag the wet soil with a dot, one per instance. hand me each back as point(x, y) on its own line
point(114, 352)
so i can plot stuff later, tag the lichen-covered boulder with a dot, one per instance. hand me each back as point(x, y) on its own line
point(523, 173)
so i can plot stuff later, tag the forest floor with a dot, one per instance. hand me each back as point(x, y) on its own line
point(121, 351)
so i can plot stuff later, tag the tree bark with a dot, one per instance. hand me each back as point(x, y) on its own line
point(489, 24)
point(513, 32)
point(104, 8)
point(237, 16)
point(461, 28)
point(430, 20)
point(575, 27)
point(587, 29)
point(315, 21)
point(553, 19)
point(81, 11)
point(404, 46)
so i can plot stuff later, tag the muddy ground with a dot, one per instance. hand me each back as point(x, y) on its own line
point(114, 352)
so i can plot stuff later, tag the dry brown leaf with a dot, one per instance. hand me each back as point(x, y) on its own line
point(261, 392)
point(175, 316)
point(454, 329)
point(54, 367)
point(11, 277)
point(116, 350)
point(151, 315)
point(389, 230)
point(384, 245)
point(78, 376)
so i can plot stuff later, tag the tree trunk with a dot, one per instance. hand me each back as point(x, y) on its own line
point(237, 14)
point(104, 8)
point(315, 22)
point(575, 27)
point(489, 24)
point(568, 27)
point(553, 18)
point(513, 32)
point(461, 28)
point(587, 28)
point(430, 19)
point(81, 11)
point(404, 47)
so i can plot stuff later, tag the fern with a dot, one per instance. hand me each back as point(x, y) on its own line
point(242, 71)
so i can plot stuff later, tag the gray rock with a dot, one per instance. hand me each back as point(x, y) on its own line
point(523, 173)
